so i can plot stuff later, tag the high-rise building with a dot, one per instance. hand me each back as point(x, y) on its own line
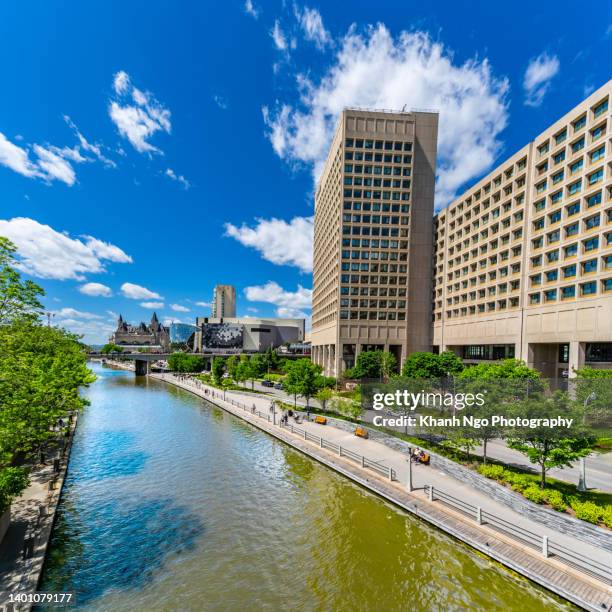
point(373, 238)
point(523, 261)
point(224, 301)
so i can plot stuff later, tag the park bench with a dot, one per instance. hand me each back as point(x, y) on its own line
point(361, 432)
point(321, 420)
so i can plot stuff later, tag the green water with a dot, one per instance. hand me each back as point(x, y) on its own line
point(172, 504)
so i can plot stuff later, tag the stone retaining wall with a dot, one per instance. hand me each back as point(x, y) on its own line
point(586, 532)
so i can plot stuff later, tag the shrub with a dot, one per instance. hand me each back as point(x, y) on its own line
point(518, 482)
point(555, 499)
point(535, 494)
point(13, 480)
point(587, 511)
point(496, 472)
point(607, 517)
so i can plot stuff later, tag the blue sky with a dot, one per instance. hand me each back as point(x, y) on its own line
point(149, 150)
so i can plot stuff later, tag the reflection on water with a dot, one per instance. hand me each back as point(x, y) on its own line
point(171, 503)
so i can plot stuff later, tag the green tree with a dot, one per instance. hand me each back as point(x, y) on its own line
point(13, 480)
point(111, 348)
point(346, 407)
point(218, 369)
point(388, 365)
point(324, 394)
point(184, 362)
point(550, 447)
point(271, 360)
point(499, 385)
point(18, 298)
point(231, 365)
point(424, 365)
point(304, 378)
point(243, 370)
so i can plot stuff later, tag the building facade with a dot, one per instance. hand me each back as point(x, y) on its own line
point(154, 335)
point(224, 301)
point(373, 238)
point(523, 259)
point(246, 334)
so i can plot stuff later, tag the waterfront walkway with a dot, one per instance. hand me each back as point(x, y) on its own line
point(550, 572)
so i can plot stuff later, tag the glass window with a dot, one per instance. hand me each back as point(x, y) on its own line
point(539, 205)
point(598, 132)
point(568, 292)
point(559, 157)
point(569, 271)
point(552, 256)
point(596, 177)
point(534, 298)
point(598, 153)
point(572, 209)
point(589, 266)
point(571, 230)
point(578, 145)
point(561, 136)
point(588, 288)
point(552, 276)
point(576, 166)
point(575, 187)
point(550, 295)
point(555, 198)
point(349, 142)
point(606, 284)
point(600, 109)
point(579, 123)
point(571, 250)
point(592, 222)
point(554, 217)
point(607, 261)
point(594, 199)
point(557, 177)
point(591, 244)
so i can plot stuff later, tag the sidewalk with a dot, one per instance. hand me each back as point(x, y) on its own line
point(421, 475)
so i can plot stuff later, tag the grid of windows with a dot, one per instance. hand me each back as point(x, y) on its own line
point(488, 240)
point(375, 229)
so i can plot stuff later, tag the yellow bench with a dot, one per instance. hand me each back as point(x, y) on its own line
point(321, 420)
point(361, 432)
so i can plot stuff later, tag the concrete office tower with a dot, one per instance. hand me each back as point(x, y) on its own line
point(224, 301)
point(523, 264)
point(373, 238)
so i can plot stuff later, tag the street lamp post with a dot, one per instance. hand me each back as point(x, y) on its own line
point(582, 486)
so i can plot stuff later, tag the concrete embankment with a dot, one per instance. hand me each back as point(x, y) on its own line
point(547, 571)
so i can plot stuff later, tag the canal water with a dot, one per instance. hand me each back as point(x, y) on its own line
point(171, 503)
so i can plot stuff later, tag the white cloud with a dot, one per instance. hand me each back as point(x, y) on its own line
point(277, 241)
point(273, 293)
point(121, 82)
point(17, 159)
point(204, 304)
point(375, 70)
point(220, 101)
point(46, 253)
point(94, 148)
point(278, 36)
point(50, 163)
point(138, 292)
point(251, 9)
point(177, 177)
point(137, 114)
point(179, 308)
point(538, 76)
point(291, 313)
point(96, 290)
point(76, 314)
point(54, 166)
point(311, 22)
point(152, 305)
point(169, 320)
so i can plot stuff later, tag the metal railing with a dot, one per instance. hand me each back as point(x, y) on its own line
point(533, 540)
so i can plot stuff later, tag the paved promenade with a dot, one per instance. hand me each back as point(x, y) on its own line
point(550, 572)
point(24, 546)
